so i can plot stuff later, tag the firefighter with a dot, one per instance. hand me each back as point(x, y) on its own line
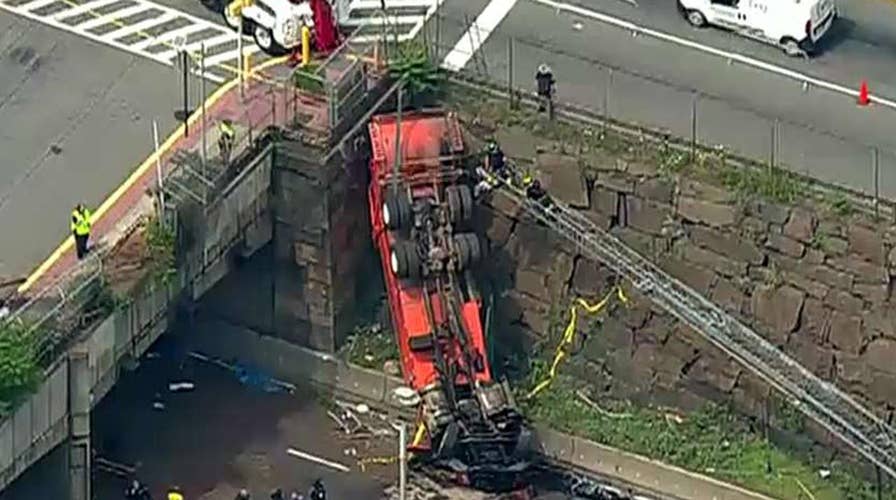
point(81, 225)
point(277, 494)
point(226, 137)
point(137, 491)
point(317, 491)
point(243, 495)
point(494, 158)
point(544, 83)
point(535, 192)
point(175, 494)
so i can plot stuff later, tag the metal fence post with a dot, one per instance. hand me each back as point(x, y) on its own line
point(185, 60)
point(204, 123)
point(510, 70)
point(273, 107)
point(694, 126)
point(155, 141)
point(875, 169)
point(774, 145)
point(607, 98)
point(239, 55)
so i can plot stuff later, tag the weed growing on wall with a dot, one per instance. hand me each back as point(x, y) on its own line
point(19, 367)
point(160, 247)
point(370, 346)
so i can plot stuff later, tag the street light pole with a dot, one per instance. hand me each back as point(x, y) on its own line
point(402, 460)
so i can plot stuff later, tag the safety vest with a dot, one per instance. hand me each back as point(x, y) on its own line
point(226, 130)
point(81, 222)
point(173, 495)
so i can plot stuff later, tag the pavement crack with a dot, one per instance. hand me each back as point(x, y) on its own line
point(85, 112)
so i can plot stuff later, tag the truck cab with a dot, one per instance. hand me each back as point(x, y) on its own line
point(276, 25)
point(795, 26)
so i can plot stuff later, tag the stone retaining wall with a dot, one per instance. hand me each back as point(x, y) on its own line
point(814, 280)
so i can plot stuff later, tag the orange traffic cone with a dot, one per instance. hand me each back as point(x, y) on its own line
point(864, 100)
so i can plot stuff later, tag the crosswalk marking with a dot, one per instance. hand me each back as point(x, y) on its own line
point(151, 30)
point(126, 31)
point(98, 21)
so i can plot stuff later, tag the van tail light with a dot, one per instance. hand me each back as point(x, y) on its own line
point(809, 28)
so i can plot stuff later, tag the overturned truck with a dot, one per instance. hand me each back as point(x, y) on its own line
point(421, 208)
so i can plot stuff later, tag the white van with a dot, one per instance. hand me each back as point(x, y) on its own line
point(276, 25)
point(794, 25)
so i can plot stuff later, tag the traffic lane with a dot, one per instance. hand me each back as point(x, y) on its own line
point(858, 46)
point(218, 438)
point(730, 121)
point(82, 122)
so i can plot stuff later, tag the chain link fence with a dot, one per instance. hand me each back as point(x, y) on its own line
point(649, 103)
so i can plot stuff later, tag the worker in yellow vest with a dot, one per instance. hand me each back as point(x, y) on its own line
point(175, 494)
point(81, 224)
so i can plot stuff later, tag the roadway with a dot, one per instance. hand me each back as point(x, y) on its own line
point(821, 133)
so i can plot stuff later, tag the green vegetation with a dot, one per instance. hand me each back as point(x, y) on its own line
point(370, 346)
point(160, 248)
point(413, 65)
point(841, 205)
point(771, 183)
point(713, 441)
point(306, 79)
point(20, 370)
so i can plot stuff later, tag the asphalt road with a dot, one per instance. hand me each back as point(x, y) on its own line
point(77, 120)
point(819, 132)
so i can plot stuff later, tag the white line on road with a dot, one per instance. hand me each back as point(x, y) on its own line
point(489, 19)
point(733, 56)
point(322, 461)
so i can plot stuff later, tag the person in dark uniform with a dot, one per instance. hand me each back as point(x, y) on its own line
point(544, 83)
point(137, 491)
point(494, 159)
point(243, 495)
point(317, 491)
point(277, 494)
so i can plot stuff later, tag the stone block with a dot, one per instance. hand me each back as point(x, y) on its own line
point(814, 256)
point(728, 296)
point(505, 206)
point(590, 279)
point(779, 308)
point(562, 177)
point(711, 214)
point(829, 276)
point(877, 295)
point(604, 201)
point(850, 367)
point(520, 140)
point(785, 245)
point(881, 355)
point(704, 191)
point(771, 213)
point(642, 242)
point(800, 225)
point(846, 332)
point(531, 282)
point(647, 216)
point(811, 287)
point(725, 244)
point(616, 182)
point(533, 245)
point(496, 227)
point(882, 388)
point(815, 321)
point(891, 260)
point(866, 242)
point(882, 321)
point(712, 260)
point(844, 302)
point(657, 189)
point(833, 245)
point(864, 271)
point(698, 278)
point(717, 372)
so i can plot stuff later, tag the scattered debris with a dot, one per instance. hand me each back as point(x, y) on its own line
point(157, 403)
point(588, 401)
point(824, 473)
point(181, 386)
point(248, 375)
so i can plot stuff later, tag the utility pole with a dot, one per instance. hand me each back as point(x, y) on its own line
point(239, 62)
point(155, 142)
point(204, 123)
point(402, 460)
point(185, 61)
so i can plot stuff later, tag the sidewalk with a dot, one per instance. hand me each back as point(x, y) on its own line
point(251, 113)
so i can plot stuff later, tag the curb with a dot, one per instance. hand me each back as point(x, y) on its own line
point(296, 364)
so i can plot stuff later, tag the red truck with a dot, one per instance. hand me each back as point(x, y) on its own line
point(421, 209)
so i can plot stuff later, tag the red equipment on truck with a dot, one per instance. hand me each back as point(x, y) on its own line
point(421, 209)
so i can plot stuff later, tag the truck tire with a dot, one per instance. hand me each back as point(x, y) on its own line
point(469, 250)
point(264, 38)
point(460, 203)
point(475, 246)
point(695, 18)
point(396, 210)
point(791, 47)
point(404, 261)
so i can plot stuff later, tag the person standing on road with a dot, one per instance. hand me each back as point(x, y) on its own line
point(81, 224)
point(544, 83)
point(317, 491)
point(226, 138)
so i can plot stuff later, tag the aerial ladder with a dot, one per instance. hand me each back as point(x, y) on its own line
point(823, 402)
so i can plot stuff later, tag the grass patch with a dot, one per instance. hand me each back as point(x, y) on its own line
point(370, 346)
point(160, 248)
point(713, 441)
point(20, 369)
point(771, 183)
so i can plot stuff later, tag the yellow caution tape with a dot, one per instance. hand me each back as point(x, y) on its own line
point(570, 332)
point(418, 436)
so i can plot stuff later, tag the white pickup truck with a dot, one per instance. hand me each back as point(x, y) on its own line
point(276, 25)
point(794, 25)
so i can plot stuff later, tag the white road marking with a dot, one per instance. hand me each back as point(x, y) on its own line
point(489, 19)
point(82, 9)
point(112, 18)
point(732, 56)
point(126, 31)
point(318, 460)
point(168, 36)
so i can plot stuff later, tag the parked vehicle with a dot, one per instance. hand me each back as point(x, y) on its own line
point(794, 25)
point(276, 25)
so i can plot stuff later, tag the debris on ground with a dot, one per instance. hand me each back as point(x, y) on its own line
point(248, 375)
point(181, 386)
